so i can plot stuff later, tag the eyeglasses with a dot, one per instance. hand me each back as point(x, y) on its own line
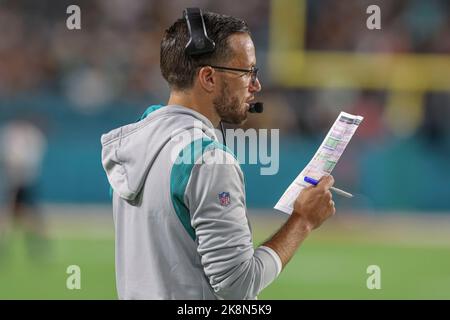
point(253, 72)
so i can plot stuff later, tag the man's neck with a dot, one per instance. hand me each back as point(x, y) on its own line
point(188, 100)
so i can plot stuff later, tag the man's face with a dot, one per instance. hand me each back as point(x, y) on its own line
point(235, 88)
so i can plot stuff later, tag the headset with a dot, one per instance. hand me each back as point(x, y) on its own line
point(199, 43)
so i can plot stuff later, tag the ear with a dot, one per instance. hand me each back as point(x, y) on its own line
point(206, 79)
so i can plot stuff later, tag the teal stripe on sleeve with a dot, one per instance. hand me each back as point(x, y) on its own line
point(179, 178)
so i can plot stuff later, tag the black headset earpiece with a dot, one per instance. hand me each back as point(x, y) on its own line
point(199, 42)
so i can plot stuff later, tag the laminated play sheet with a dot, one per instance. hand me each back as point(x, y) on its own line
point(324, 160)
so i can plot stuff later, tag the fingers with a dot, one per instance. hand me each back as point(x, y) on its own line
point(328, 195)
point(332, 207)
point(326, 182)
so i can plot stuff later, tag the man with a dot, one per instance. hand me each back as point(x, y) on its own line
point(181, 226)
point(23, 147)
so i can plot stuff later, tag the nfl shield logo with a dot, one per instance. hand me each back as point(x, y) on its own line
point(224, 198)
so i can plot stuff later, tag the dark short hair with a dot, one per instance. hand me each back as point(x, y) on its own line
point(178, 68)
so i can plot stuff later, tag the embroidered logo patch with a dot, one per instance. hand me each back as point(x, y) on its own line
point(224, 198)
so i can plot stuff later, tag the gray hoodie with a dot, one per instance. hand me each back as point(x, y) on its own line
point(179, 212)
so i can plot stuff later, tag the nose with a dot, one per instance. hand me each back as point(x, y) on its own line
point(255, 86)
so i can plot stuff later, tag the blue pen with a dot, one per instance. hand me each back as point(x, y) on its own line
point(338, 191)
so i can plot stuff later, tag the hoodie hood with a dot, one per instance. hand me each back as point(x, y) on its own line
point(129, 152)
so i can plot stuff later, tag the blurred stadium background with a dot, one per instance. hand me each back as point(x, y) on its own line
point(316, 59)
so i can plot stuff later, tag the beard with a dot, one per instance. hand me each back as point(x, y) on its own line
point(228, 107)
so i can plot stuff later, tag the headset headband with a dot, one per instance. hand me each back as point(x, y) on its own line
point(199, 42)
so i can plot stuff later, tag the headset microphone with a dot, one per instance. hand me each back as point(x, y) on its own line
point(256, 107)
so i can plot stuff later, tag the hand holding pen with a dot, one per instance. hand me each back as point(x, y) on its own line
point(336, 190)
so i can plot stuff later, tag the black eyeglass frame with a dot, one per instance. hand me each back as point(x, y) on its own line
point(253, 71)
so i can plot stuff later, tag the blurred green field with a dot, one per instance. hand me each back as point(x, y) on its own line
point(414, 257)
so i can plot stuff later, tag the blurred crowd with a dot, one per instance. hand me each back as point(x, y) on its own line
point(407, 26)
point(115, 56)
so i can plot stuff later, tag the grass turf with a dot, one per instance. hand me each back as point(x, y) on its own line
point(331, 267)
